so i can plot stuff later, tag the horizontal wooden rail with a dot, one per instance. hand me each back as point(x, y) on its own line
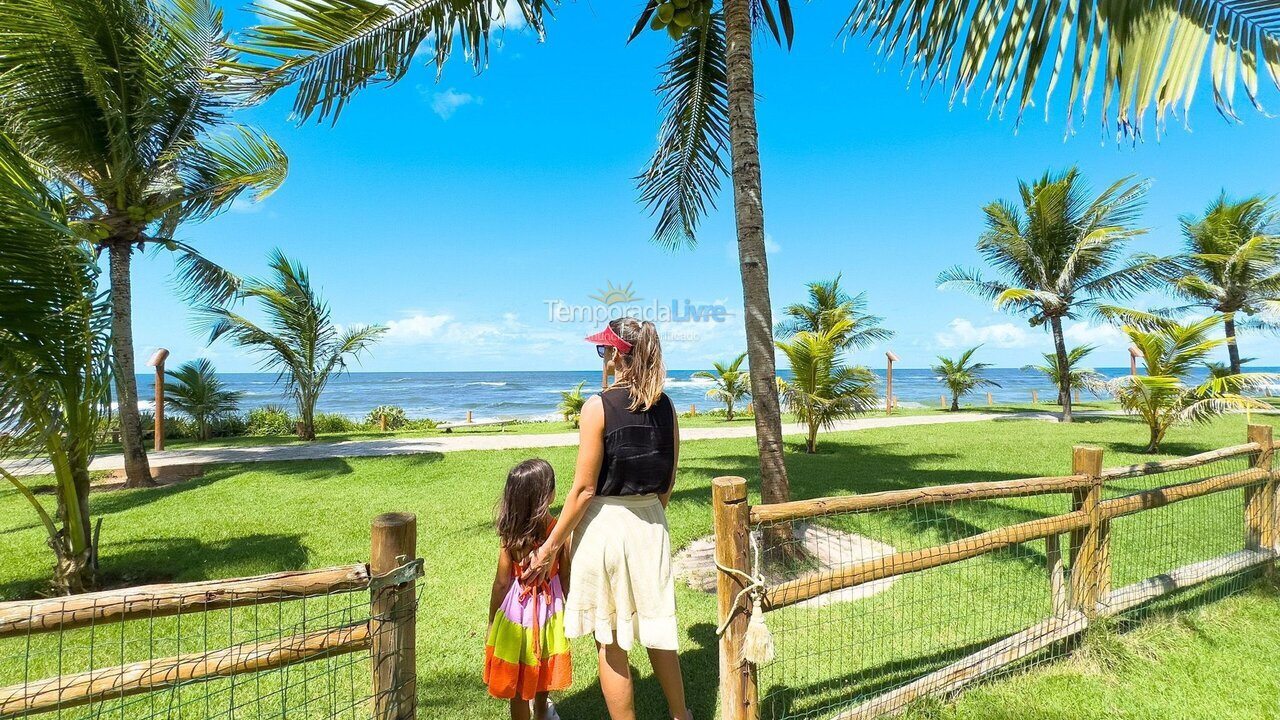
point(151, 675)
point(1131, 596)
point(973, 667)
point(1159, 497)
point(1182, 463)
point(800, 509)
point(902, 563)
point(23, 617)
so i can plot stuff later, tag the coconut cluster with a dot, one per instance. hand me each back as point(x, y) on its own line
point(680, 15)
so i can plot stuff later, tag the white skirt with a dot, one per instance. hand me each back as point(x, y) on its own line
point(621, 588)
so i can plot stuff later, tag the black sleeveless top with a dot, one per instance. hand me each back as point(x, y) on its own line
point(639, 447)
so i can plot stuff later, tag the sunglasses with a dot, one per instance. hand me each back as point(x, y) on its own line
point(601, 350)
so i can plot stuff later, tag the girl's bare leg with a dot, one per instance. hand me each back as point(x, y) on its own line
point(519, 709)
point(615, 682)
point(666, 666)
point(540, 706)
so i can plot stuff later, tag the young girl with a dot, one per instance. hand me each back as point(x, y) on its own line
point(526, 653)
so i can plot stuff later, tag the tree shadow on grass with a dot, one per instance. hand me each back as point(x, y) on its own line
point(159, 560)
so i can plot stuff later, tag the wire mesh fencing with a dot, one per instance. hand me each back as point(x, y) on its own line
point(295, 645)
point(876, 602)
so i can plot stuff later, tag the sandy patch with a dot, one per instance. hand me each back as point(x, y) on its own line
point(696, 565)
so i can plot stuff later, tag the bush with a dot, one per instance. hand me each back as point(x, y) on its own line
point(232, 425)
point(271, 420)
point(175, 426)
point(335, 423)
point(396, 419)
point(422, 424)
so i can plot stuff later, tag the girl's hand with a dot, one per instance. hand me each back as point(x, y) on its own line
point(539, 567)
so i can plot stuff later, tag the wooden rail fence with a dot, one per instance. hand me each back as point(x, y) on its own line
point(388, 635)
point(1077, 597)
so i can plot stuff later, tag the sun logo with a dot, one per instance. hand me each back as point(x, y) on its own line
point(612, 294)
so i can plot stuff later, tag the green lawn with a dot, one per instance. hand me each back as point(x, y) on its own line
point(249, 519)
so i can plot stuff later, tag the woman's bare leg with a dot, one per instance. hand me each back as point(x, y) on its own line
point(615, 682)
point(666, 666)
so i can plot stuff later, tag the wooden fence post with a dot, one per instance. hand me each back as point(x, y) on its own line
point(392, 623)
point(738, 695)
point(1090, 547)
point(1260, 500)
point(1035, 398)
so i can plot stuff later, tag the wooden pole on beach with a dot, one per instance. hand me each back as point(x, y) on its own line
point(942, 401)
point(1035, 397)
point(1133, 359)
point(888, 389)
point(990, 402)
point(157, 362)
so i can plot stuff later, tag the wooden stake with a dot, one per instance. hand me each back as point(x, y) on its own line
point(1077, 396)
point(392, 623)
point(468, 416)
point(942, 401)
point(1057, 576)
point(738, 693)
point(382, 422)
point(157, 361)
point(693, 410)
point(990, 402)
point(888, 389)
point(1090, 545)
point(1035, 397)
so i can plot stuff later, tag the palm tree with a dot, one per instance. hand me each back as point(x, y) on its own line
point(962, 376)
point(1231, 262)
point(1056, 249)
point(122, 105)
point(822, 389)
point(330, 49)
point(731, 383)
point(198, 392)
point(1077, 377)
point(828, 304)
point(1163, 397)
point(299, 342)
point(54, 372)
point(571, 402)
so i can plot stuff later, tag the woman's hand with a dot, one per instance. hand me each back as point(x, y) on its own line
point(539, 568)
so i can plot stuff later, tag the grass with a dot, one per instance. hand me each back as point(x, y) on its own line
point(250, 519)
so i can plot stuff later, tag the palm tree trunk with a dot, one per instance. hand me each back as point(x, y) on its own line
point(955, 403)
point(1233, 351)
point(1153, 445)
point(812, 445)
point(728, 416)
point(137, 470)
point(749, 214)
point(1064, 372)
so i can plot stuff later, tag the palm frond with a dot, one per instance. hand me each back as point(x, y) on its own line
point(684, 173)
point(331, 49)
point(1152, 53)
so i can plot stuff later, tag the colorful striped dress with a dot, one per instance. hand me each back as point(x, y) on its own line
point(527, 652)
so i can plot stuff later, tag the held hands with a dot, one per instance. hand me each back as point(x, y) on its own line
point(539, 568)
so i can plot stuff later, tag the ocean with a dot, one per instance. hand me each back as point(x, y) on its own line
point(446, 396)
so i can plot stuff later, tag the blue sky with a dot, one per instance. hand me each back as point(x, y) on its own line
point(454, 210)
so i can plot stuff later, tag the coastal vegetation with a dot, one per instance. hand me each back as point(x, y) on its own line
point(197, 391)
point(729, 383)
point(1055, 250)
point(299, 341)
point(54, 370)
point(571, 402)
point(120, 106)
point(961, 375)
point(1073, 374)
point(822, 388)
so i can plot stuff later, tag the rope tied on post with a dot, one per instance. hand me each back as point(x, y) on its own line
point(757, 643)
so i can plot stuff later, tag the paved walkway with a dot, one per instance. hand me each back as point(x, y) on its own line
point(466, 441)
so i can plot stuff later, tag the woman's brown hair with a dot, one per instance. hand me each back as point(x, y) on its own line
point(642, 368)
point(522, 511)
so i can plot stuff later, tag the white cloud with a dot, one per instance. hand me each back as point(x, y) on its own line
point(446, 103)
point(245, 205)
point(1083, 333)
point(415, 328)
point(961, 332)
point(511, 16)
point(771, 246)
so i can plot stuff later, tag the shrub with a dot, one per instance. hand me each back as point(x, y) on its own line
point(175, 427)
point(271, 420)
point(232, 425)
point(396, 419)
point(420, 424)
point(335, 423)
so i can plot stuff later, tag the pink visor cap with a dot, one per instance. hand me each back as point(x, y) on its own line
point(608, 337)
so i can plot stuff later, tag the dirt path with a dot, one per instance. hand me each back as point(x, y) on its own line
point(459, 442)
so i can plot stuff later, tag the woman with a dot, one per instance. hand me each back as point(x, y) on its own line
point(620, 585)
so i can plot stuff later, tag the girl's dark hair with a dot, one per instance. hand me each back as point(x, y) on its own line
point(522, 511)
point(642, 368)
